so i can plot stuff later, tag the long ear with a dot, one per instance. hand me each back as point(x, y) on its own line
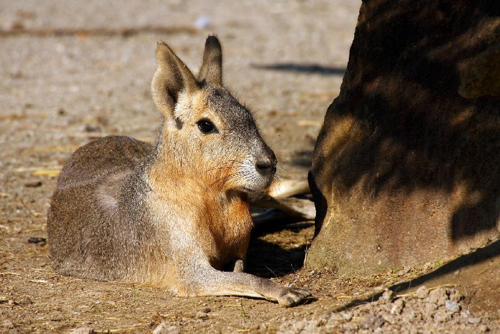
point(211, 68)
point(171, 77)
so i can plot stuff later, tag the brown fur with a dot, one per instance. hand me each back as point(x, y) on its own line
point(175, 214)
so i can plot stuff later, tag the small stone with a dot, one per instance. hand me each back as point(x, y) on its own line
point(430, 308)
point(336, 316)
point(473, 321)
point(206, 310)
point(397, 306)
point(350, 326)
point(437, 296)
point(164, 328)
point(422, 292)
point(91, 128)
point(389, 318)
point(34, 184)
point(387, 295)
point(82, 330)
point(452, 306)
point(203, 22)
point(37, 241)
point(346, 315)
point(201, 315)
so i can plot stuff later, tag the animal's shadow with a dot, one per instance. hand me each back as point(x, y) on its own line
point(268, 259)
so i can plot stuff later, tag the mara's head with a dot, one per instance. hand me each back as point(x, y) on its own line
point(207, 132)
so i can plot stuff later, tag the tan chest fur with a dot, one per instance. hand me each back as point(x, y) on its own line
point(219, 220)
point(229, 229)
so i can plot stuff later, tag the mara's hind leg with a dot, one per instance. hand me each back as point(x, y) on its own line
point(280, 197)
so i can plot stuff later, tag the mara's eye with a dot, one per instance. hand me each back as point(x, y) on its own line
point(206, 126)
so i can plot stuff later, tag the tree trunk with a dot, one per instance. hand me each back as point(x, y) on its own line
point(406, 169)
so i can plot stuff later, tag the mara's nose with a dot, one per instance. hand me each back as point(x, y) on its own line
point(267, 165)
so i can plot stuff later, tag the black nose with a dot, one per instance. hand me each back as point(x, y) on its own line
point(266, 166)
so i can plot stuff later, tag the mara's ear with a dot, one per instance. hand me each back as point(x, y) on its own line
point(171, 77)
point(211, 68)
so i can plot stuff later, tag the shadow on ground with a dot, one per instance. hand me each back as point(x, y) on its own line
point(278, 249)
point(467, 272)
point(301, 68)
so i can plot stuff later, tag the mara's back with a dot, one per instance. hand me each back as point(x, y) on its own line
point(85, 219)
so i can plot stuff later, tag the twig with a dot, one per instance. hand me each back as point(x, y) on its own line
point(449, 285)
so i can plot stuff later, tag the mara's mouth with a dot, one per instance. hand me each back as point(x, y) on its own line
point(257, 188)
point(248, 190)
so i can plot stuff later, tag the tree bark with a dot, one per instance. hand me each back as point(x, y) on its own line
point(406, 168)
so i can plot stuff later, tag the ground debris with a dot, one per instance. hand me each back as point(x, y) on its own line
point(82, 330)
point(164, 328)
point(421, 311)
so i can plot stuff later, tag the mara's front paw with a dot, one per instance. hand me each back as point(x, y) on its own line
point(293, 296)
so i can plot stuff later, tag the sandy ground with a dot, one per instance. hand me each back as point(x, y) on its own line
point(76, 71)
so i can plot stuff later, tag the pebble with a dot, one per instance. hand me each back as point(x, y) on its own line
point(82, 330)
point(350, 326)
point(397, 306)
point(415, 313)
point(452, 306)
point(437, 296)
point(429, 309)
point(164, 328)
point(389, 318)
point(203, 22)
point(387, 295)
point(474, 321)
point(422, 292)
point(347, 316)
point(201, 315)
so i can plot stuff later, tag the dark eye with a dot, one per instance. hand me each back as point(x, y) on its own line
point(206, 126)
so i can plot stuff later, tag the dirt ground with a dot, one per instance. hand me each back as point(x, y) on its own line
point(72, 72)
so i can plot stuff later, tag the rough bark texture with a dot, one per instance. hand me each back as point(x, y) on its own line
point(406, 168)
